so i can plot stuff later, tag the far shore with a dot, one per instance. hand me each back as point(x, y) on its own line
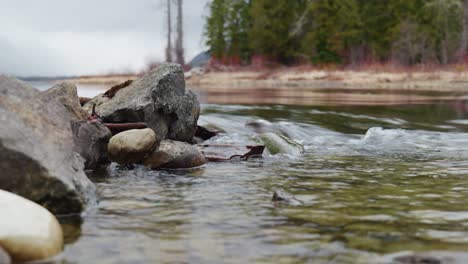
point(316, 87)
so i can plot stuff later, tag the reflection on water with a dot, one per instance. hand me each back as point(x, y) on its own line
point(374, 181)
point(328, 96)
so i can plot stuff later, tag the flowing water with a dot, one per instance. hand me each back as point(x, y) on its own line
point(374, 181)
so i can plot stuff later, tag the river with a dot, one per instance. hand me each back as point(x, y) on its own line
point(375, 181)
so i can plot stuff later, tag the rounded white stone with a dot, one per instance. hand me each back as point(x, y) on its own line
point(28, 231)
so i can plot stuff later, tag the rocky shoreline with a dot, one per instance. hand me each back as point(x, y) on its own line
point(49, 143)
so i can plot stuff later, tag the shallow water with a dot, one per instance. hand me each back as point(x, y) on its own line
point(374, 181)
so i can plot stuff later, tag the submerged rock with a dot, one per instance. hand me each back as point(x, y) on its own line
point(159, 98)
point(90, 139)
point(28, 232)
point(277, 144)
point(37, 158)
point(132, 146)
point(175, 155)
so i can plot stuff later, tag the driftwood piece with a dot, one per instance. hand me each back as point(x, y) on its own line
point(94, 117)
point(112, 91)
point(116, 128)
point(229, 152)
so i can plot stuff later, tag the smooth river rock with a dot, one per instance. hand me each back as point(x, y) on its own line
point(132, 146)
point(28, 232)
point(4, 257)
point(37, 157)
point(278, 144)
point(175, 155)
point(90, 138)
point(159, 99)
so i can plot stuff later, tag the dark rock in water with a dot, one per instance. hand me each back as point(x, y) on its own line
point(175, 155)
point(159, 99)
point(37, 160)
point(417, 260)
point(277, 198)
point(204, 133)
point(4, 257)
point(90, 139)
point(66, 94)
point(280, 197)
point(132, 146)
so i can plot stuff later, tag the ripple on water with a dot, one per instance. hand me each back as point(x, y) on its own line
point(365, 192)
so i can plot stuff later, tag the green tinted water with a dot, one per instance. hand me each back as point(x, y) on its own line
point(374, 181)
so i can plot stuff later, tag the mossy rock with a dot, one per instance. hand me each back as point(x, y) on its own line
point(278, 144)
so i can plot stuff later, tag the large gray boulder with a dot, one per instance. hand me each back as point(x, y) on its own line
point(90, 138)
point(37, 158)
point(159, 98)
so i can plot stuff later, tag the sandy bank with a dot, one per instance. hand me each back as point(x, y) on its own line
point(440, 81)
point(293, 86)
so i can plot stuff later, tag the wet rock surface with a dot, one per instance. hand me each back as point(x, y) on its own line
point(175, 155)
point(28, 232)
point(132, 146)
point(159, 99)
point(277, 144)
point(37, 157)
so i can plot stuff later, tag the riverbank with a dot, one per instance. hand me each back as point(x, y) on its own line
point(302, 86)
point(297, 77)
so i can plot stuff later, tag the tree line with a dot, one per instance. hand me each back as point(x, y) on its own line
point(338, 31)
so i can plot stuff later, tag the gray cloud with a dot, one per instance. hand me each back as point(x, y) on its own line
point(57, 37)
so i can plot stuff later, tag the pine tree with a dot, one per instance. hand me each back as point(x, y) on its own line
point(339, 31)
point(215, 28)
point(335, 30)
point(237, 27)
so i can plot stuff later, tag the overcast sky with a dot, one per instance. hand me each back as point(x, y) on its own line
point(75, 37)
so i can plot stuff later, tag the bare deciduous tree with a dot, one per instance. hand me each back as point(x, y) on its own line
point(169, 32)
point(179, 44)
